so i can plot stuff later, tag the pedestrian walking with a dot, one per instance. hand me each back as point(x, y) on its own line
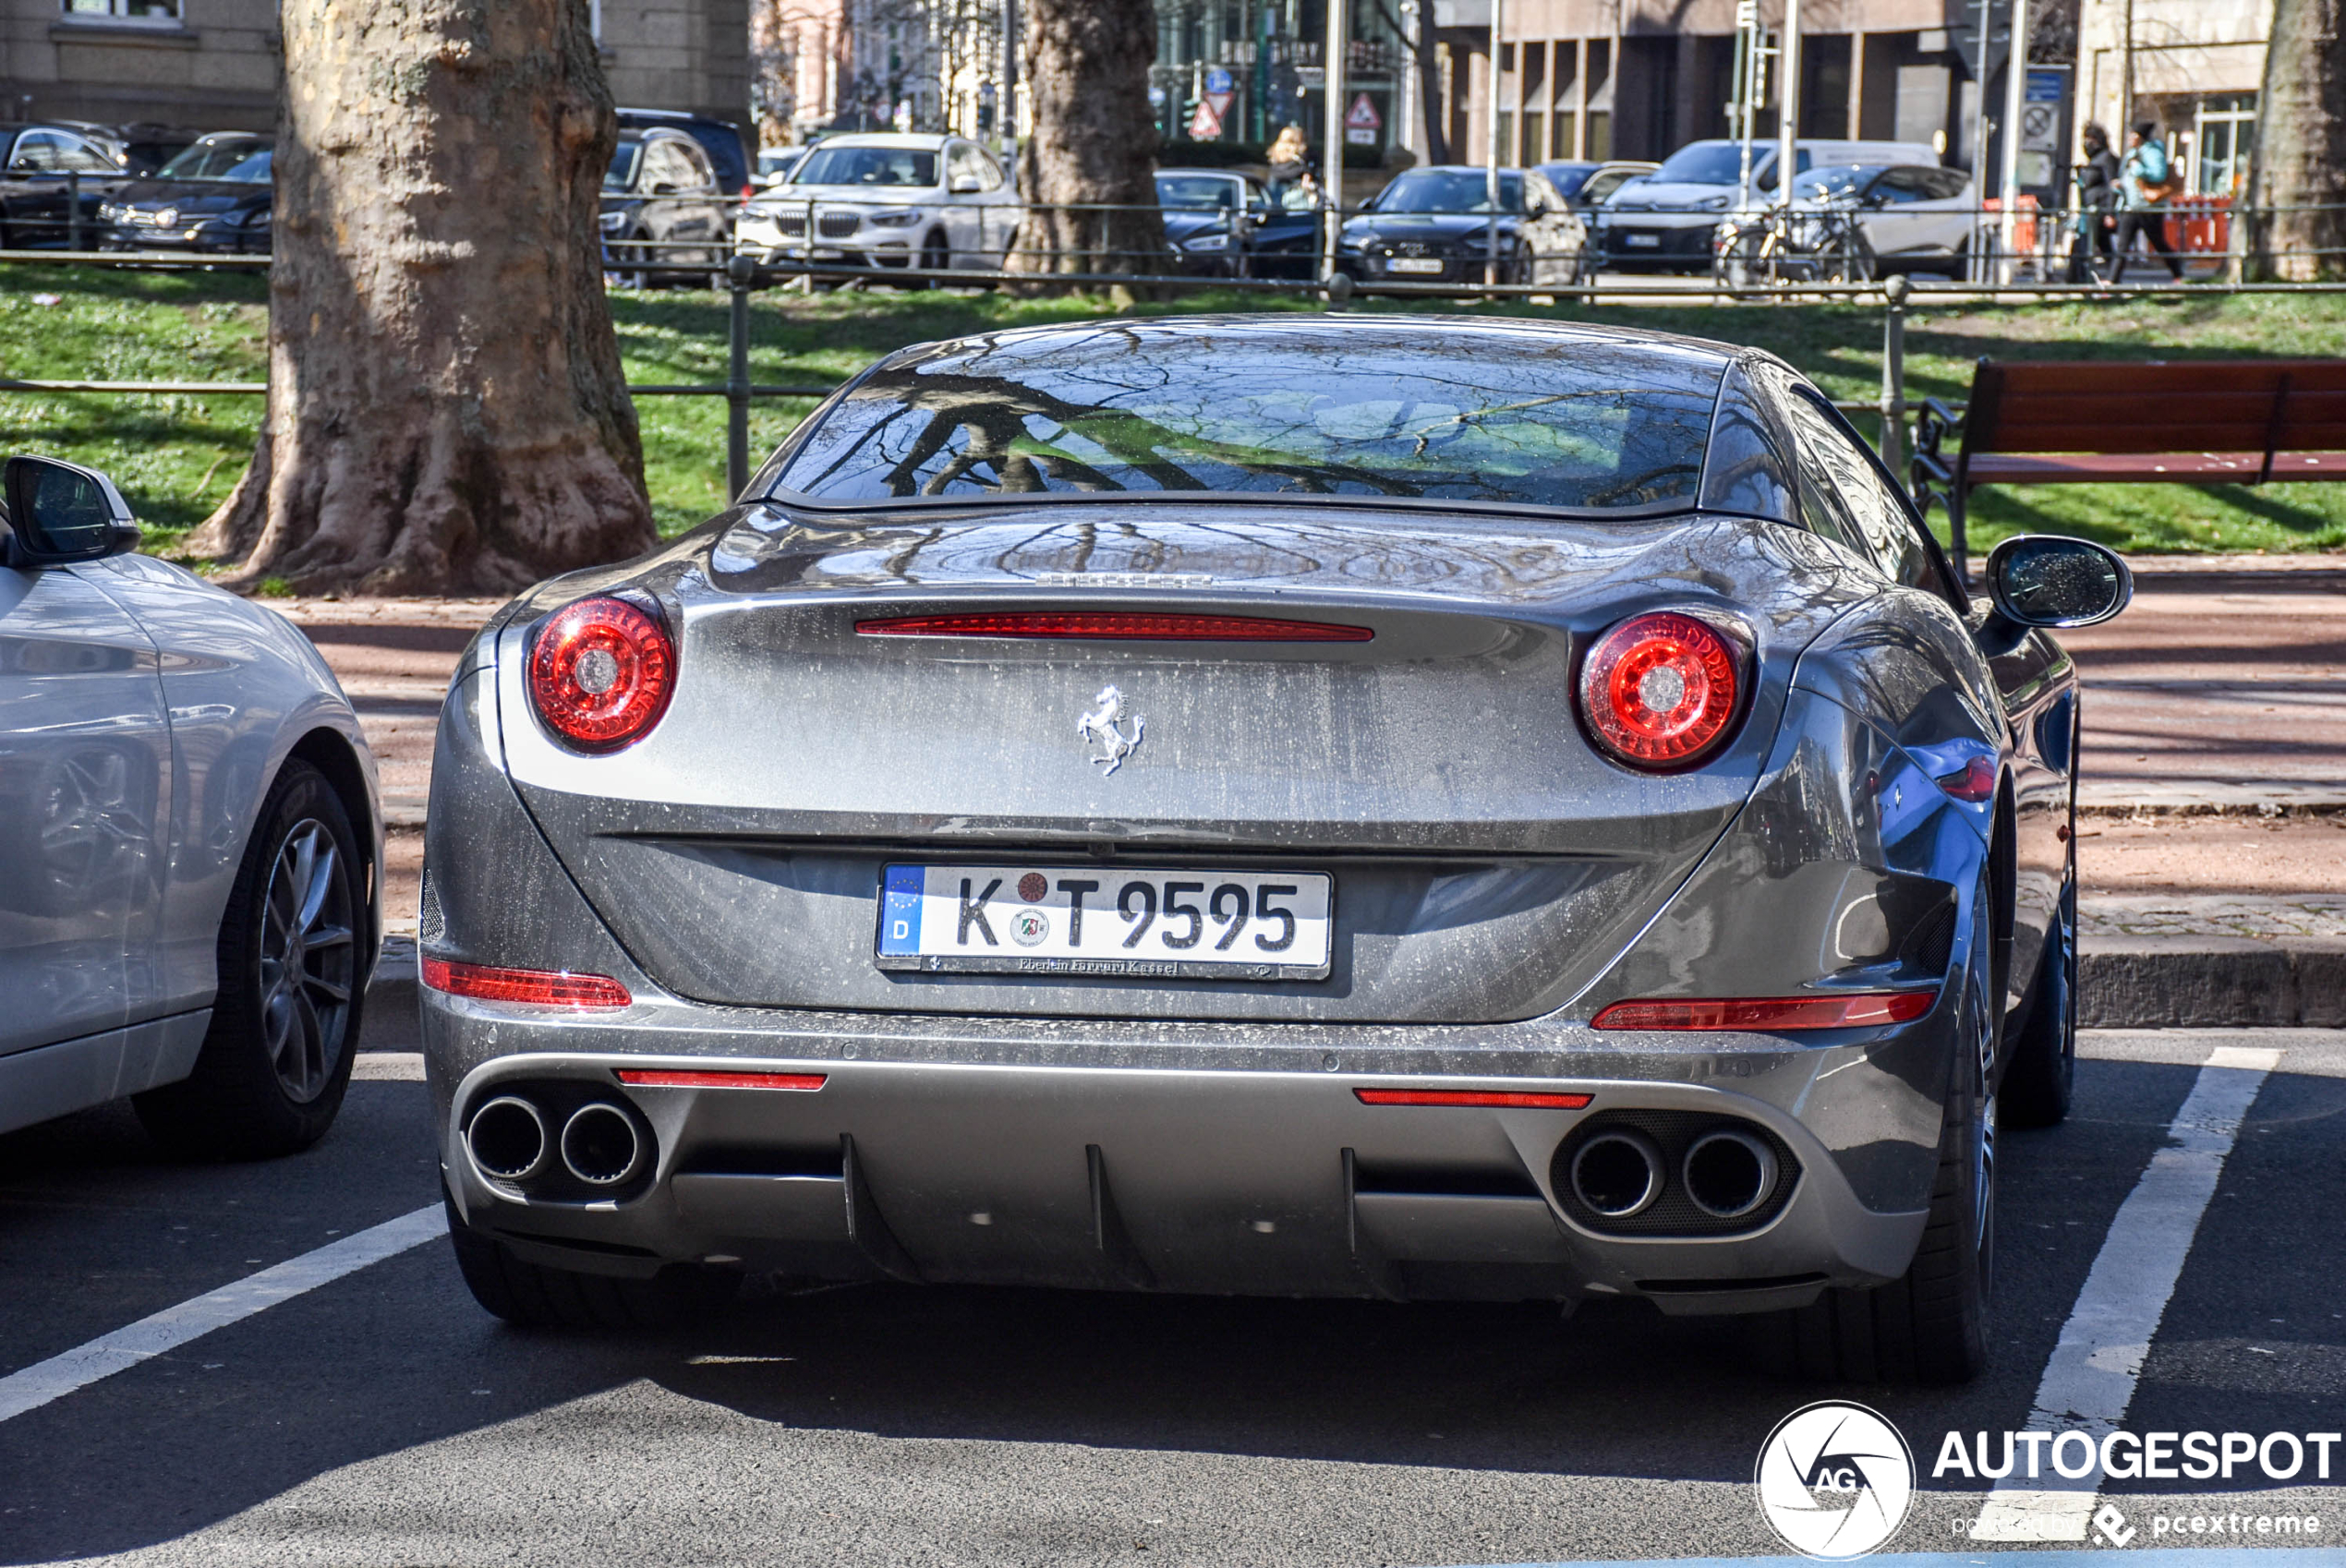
point(2096, 216)
point(2146, 182)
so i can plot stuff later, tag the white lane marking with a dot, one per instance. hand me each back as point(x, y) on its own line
point(387, 1067)
point(2090, 1380)
point(173, 1326)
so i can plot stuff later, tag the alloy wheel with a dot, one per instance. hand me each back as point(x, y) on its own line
point(308, 955)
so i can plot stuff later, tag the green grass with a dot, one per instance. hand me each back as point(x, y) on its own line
point(176, 456)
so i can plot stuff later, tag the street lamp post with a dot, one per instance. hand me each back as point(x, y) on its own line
point(1491, 155)
point(1332, 161)
point(1788, 119)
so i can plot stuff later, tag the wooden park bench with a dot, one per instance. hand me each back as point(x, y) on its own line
point(2108, 422)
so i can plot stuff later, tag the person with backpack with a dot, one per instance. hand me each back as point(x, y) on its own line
point(2146, 182)
point(2096, 206)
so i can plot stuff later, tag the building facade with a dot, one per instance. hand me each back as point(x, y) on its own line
point(2197, 67)
point(214, 65)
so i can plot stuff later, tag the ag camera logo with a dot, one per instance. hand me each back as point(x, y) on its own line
point(1834, 1480)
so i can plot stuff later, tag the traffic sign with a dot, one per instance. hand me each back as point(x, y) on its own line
point(1217, 80)
point(1362, 116)
point(1206, 123)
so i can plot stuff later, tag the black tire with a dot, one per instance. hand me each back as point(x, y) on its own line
point(1930, 1325)
point(535, 1296)
point(2040, 1074)
point(276, 1061)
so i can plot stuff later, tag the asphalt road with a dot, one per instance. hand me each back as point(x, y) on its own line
point(383, 1418)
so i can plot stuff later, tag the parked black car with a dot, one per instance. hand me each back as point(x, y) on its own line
point(721, 139)
point(41, 166)
point(663, 206)
point(1434, 225)
point(214, 196)
point(1221, 224)
point(148, 145)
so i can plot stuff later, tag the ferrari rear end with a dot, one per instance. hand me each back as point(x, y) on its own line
point(1342, 808)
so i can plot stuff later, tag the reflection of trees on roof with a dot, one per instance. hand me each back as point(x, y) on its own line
point(1115, 408)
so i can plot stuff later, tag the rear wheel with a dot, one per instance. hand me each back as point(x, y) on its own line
point(284, 1024)
point(1930, 1325)
point(535, 1296)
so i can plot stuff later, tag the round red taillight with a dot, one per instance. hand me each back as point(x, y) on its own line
point(600, 673)
point(1659, 690)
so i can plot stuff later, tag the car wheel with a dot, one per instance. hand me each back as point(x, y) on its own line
point(2041, 1073)
point(293, 972)
point(627, 263)
point(935, 257)
point(1930, 1325)
point(535, 1296)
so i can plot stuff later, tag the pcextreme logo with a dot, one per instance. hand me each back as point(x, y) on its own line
point(1834, 1480)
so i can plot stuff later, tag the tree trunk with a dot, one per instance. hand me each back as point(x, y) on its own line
point(446, 410)
point(1428, 65)
point(1094, 145)
point(2301, 146)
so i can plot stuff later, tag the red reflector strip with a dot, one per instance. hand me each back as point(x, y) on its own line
point(1506, 1099)
point(642, 1078)
point(1125, 625)
point(545, 988)
point(1860, 1009)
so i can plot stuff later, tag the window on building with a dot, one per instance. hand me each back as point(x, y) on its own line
point(125, 10)
point(2223, 139)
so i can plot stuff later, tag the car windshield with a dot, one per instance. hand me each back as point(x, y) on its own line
point(867, 165)
point(1196, 192)
point(1835, 179)
point(621, 173)
point(1450, 190)
point(1706, 162)
point(254, 169)
point(1567, 177)
point(1515, 418)
point(207, 161)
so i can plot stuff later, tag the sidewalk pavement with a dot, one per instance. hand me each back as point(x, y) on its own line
point(2214, 765)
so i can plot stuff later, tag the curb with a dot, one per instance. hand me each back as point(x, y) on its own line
point(393, 983)
point(2211, 981)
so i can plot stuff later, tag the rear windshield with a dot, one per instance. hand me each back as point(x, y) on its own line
point(1564, 420)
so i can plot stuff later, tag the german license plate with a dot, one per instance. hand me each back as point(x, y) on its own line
point(1414, 264)
point(1188, 924)
point(1642, 242)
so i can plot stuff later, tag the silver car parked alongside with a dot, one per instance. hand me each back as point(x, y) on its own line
point(1347, 806)
point(188, 839)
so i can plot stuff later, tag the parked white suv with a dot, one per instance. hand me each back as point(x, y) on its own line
point(1667, 220)
point(886, 201)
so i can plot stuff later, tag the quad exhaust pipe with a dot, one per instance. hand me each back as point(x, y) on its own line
point(1617, 1174)
point(1728, 1173)
point(507, 1138)
point(600, 1144)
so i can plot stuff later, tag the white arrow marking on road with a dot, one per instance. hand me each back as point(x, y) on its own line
point(2090, 1380)
point(173, 1326)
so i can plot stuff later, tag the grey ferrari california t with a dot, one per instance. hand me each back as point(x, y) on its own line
point(1347, 806)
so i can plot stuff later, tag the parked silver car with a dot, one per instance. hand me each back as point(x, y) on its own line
point(189, 839)
point(1308, 805)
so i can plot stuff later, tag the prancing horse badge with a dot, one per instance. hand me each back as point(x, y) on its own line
point(1101, 726)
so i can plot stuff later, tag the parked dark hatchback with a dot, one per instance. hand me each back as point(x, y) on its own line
point(1434, 225)
point(40, 168)
point(662, 207)
point(214, 196)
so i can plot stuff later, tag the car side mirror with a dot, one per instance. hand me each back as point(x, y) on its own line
point(61, 513)
point(663, 188)
point(1538, 210)
point(967, 184)
point(2046, 580)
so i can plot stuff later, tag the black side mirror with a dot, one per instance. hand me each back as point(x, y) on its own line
point(2046, 579)
point(61, 513)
